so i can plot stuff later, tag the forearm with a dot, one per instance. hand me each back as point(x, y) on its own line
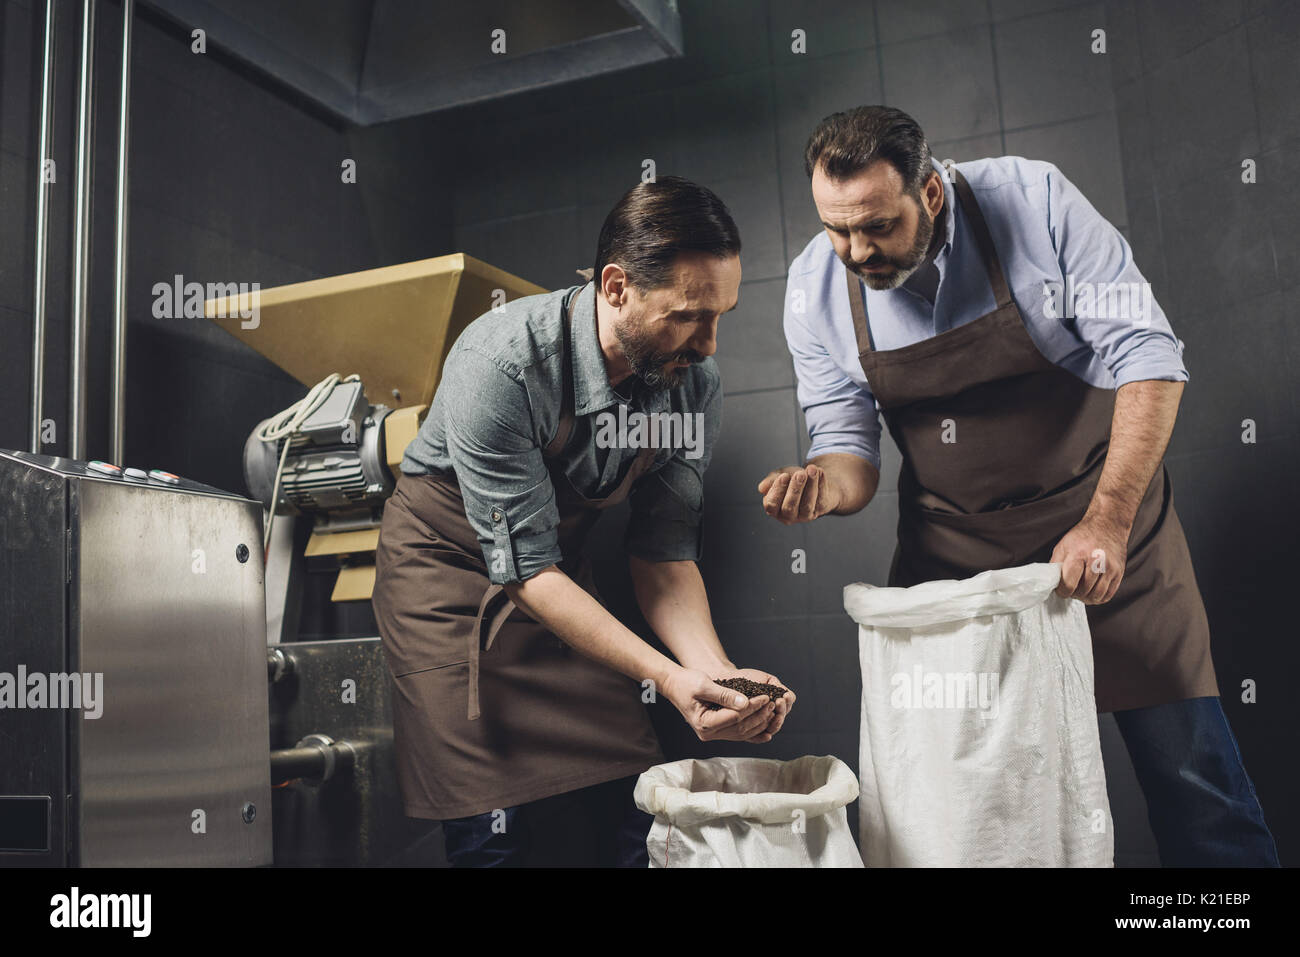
point(672, 598)
point(853, 480)
point(1140, 428)
point(552, 598)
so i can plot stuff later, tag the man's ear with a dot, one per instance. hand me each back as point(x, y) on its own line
point(933, 193)
point(613, 284)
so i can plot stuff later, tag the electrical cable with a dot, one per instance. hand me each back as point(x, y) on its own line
point(283, 426)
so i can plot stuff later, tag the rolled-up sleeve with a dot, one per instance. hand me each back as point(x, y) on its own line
point(1115, 312)
point(841, 414)
point(509, 498)
point(667, 506)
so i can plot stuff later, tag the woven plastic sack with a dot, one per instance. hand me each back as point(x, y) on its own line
point(979, 743)
point(749, 812)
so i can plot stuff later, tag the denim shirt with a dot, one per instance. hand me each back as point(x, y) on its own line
point(498, 406)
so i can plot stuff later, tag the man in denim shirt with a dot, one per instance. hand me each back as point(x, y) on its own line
point(551, 408)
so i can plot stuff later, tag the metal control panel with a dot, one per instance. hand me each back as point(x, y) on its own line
point(149, 588)
point(95, 469)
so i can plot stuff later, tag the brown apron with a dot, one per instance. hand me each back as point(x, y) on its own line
point(491, 710)
point(1026, 442)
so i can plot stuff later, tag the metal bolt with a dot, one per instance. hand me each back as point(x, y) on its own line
point(241, 552)
point(249, 813)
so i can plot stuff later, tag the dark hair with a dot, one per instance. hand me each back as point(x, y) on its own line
point(846, 143)
point(656, 221)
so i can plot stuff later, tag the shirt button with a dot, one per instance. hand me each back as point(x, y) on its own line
point(496, 514)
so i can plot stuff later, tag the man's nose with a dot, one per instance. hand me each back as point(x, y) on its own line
point(705, 341)
point(861, 248)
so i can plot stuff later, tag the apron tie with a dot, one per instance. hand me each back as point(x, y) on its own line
point(493, 610)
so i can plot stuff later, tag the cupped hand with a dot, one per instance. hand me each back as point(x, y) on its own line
point(794, 494)
point(783, 704)
point(737, 719)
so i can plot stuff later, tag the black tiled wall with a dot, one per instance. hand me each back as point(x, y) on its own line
point(234, 180)
point(1006, 77)
point(1204, 88)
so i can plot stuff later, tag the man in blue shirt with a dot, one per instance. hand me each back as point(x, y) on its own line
point(1031, 383)
point(517, 697)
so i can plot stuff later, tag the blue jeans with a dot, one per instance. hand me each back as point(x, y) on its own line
point(597, 826)
point(1200, 801)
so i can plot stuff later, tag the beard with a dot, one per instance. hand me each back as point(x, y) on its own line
point(648, 364)
point(902, 267)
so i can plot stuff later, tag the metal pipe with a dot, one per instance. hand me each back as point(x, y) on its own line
point(118, 416)
point(42, 228)
point(81, 237)
point(315, 759)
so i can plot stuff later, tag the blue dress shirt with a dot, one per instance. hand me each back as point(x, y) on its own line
point(1085, 304)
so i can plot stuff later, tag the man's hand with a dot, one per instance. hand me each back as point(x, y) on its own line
point(838, 482)
point(1092, 557)
point(739, 718)
point(784, 704)
point(794, 494)
point(1093, 554)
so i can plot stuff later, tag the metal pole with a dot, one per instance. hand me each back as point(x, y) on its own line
point(42, 228)
point(119, 249)
point(81, 238)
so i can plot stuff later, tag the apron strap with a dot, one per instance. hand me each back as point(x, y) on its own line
point(860, 328)
point(493, 611)
point(496, 606)
point(565, 427)
point(992, 265)
point(640, 465)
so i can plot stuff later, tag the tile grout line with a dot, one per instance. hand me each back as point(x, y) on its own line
point(776, 139)
point(997, 77)
point(1259, 141)
point(880, 60)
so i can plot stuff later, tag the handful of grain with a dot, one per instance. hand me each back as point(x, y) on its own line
point(750, 689)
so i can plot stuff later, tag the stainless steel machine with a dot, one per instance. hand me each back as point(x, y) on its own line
point(172, 712)
point(149, 587)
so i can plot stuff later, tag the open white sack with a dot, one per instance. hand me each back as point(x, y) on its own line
point(749, 812)
point(979, 743)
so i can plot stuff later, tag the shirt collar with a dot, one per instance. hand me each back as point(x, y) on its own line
point(949, 205)
point(591, 389)
point(915, 283)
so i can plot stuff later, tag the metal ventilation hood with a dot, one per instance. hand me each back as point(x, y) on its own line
point(369, 61)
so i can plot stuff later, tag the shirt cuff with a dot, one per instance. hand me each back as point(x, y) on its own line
point(1171, 371)
point(871, 455)
point(657, 539)
point(519, 558)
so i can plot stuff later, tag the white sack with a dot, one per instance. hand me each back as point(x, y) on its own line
point(979, 743)
point(749, 812)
